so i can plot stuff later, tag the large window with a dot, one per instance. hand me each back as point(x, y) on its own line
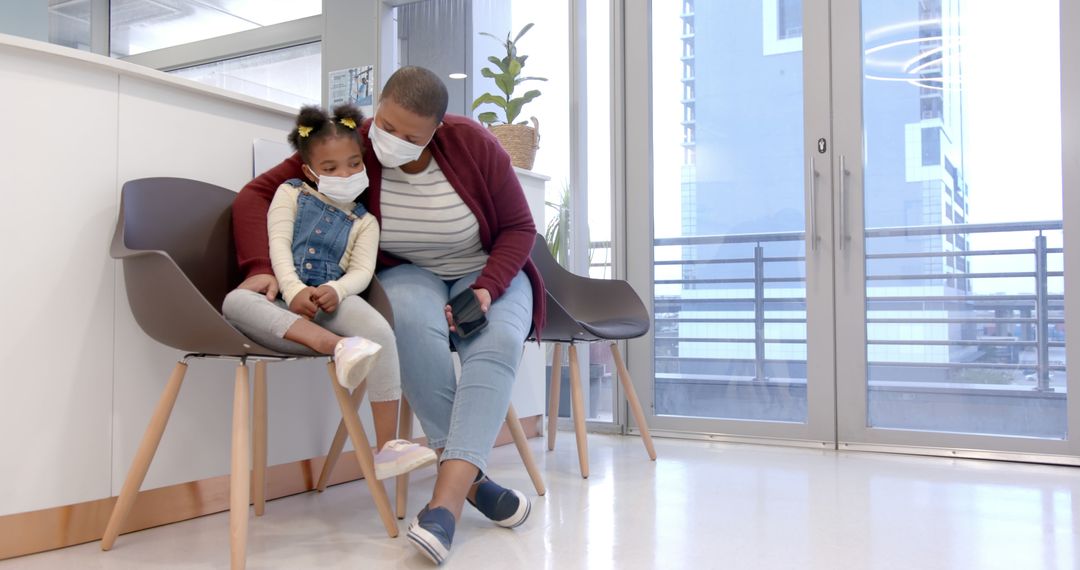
point(789, 19)
point(69, 23)
point(138, 26)
point(965, 294)
point(290, 76)
point(728, 219)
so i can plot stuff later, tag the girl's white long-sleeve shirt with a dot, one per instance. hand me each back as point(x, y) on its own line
point(358, 261)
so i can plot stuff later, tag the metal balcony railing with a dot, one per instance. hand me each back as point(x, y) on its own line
point(1034, 313)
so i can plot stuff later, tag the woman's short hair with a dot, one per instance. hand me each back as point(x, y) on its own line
point(418, 90)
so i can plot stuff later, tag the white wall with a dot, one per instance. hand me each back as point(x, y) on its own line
point(167, 132)
point(57, 285)
point(78, 378)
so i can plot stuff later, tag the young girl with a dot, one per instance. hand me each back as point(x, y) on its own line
point(323, 246)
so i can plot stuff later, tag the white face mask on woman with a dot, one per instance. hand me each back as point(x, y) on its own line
point(392, 151)
point(343, 189)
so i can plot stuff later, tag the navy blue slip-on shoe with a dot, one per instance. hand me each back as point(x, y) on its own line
point(432, 532)
point(506, 507)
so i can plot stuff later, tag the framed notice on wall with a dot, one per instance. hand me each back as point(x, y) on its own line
point(353, 85)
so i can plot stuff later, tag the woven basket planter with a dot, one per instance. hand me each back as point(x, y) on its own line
point(520, 142)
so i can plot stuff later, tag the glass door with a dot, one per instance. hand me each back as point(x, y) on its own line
point(951, 239)
point(730, 195)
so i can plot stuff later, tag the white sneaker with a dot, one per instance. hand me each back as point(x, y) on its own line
point(401, 456)
point(354, 357)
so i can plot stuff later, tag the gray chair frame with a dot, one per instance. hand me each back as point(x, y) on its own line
point(585, 310)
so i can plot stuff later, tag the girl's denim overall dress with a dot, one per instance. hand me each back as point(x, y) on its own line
point(320, 236)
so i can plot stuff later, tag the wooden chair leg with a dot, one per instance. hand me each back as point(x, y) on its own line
point(362, 447)
point(553, 399)
point(258, 444)
point(632, 399)
point(405, 425)
point(577, 400)
point(240, 477)
point(522, 444)
point(339, 442)
point(143, 456)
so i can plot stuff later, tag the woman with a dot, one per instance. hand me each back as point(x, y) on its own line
point(453, 218)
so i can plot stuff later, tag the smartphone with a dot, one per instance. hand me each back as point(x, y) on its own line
point(466, 313)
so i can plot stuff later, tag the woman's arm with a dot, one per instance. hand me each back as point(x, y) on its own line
point(362, 256)
point(515, 232)
point(280, 222)
point(249, 213)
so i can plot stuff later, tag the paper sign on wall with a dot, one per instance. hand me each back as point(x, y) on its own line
point(353, 85)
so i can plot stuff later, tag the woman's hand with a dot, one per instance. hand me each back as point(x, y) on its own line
point(325, 297)
point(482, 296)
point(263, 283)
point(303, 303)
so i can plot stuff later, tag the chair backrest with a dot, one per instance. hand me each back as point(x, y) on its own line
point(191, 222)
point(175, 238)
point(557, 280)
point(576, 304)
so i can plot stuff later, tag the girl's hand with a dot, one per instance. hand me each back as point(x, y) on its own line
point(482, 296)
point(303, 304)
point(326, 298)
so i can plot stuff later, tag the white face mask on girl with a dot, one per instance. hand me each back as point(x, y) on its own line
point(391, 151)
point(343, 189)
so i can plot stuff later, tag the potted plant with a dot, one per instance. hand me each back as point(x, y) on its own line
point(518, 138)
point(557, 232)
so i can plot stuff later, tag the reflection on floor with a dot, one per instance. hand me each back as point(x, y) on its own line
point(701, 505)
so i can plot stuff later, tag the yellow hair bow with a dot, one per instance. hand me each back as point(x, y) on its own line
point(348, 122)
point(303, 131)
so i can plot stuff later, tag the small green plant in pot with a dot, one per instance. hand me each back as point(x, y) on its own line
point(557, 233)
point(518, 138)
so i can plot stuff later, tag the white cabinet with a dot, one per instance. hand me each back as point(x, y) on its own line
point(528, 395)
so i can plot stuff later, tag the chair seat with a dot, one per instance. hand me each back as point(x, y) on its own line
point(616, 328)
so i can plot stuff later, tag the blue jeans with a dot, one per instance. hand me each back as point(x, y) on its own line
point(462, 417)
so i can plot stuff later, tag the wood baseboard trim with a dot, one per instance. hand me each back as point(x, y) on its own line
point(58, 527)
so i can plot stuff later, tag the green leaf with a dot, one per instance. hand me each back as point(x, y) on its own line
point(492, 36)
point(515, 68)
point(530, 95)
point(487, 72)
point(498, 63)
point(489, 98)
point(513, 106)
point(505, 84)
point(522, 60)
point(513, 109)
point(522, 32)
point(521, 80)
point(487, 117)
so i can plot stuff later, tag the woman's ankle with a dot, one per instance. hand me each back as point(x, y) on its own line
point(456, 511)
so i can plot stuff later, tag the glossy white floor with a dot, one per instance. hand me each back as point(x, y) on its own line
point(701, 505)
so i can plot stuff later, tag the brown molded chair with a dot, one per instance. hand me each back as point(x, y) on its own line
point(582, 309)
point(174, 237)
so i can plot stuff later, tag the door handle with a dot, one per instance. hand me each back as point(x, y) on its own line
point(844, 172)
point(813, 206)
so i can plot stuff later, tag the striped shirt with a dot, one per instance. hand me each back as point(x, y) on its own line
point(425, 222)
